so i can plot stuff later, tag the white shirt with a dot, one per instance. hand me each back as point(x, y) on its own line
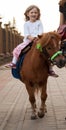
point(32, 28)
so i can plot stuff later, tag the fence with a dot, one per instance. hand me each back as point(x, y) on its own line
point(9, 39)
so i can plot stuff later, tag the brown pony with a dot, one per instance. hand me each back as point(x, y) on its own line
point(34, 70)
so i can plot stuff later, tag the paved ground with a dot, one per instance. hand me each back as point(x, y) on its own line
point(15, 109)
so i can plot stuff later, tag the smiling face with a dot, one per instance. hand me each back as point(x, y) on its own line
point(33, 14)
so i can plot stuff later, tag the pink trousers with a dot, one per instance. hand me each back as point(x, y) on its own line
point(17, 50)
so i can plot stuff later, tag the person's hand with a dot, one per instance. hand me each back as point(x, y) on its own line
point(30, 38)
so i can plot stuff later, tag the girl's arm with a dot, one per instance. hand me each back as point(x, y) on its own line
point(27, 33)
point(40, 28)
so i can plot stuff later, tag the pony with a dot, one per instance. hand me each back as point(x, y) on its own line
point(34, 70)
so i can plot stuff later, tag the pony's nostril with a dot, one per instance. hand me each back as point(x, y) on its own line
point(60, 63)
point(54, 63)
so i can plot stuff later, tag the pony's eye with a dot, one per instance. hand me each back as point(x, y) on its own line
point(49, 48)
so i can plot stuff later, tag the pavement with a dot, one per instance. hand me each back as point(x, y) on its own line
point(15, 108)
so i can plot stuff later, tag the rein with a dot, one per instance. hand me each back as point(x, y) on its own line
point(39, 47)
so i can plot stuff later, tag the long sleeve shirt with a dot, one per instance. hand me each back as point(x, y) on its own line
point(33, 29)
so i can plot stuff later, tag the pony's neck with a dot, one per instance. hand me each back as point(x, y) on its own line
point(37, 58)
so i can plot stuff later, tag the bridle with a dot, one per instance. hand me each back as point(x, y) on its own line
point(44, 51)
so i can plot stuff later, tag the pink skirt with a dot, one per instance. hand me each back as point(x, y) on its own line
point(18, 49)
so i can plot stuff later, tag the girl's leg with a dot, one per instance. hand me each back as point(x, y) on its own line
point(14, 60)
point(19, 48)
point(13, 63)
point(16, 53)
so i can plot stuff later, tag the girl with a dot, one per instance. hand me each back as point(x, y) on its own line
point(32, 28)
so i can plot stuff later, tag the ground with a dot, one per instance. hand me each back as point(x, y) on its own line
point(15, 109)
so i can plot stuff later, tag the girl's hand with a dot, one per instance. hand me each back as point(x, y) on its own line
point(31, 38)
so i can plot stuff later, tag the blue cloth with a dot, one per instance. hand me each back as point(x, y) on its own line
point(16, 72)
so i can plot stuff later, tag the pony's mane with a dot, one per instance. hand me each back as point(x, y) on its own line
point(46, 37)
point(54, 35)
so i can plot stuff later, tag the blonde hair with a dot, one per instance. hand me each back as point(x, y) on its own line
point(61, 3)
point(29, 9)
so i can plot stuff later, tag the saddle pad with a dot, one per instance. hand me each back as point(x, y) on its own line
point(16, 72)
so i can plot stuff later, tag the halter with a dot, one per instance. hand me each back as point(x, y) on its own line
point(55, 55)
point(39, 47)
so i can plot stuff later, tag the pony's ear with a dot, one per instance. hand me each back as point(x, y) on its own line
point(58, 35)
point(39, 36)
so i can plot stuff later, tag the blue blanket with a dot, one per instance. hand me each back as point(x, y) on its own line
point(16, 72)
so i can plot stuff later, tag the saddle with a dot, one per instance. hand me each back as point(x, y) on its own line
point(16, 72)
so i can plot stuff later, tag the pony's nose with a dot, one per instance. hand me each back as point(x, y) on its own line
point(61, 63)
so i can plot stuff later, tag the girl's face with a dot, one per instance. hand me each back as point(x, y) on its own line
point(33, 15)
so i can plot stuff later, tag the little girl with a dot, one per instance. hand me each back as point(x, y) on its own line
point(32, 28)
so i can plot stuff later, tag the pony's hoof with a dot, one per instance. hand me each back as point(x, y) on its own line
point(34, 116)
point(41, 115)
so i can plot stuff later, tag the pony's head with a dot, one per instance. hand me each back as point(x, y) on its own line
point(49, 44)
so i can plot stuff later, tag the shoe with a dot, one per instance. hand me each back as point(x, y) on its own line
point(11, 65)
point(52, 73)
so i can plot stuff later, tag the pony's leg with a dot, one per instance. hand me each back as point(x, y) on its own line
point(32, 100)
point(42, 110)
